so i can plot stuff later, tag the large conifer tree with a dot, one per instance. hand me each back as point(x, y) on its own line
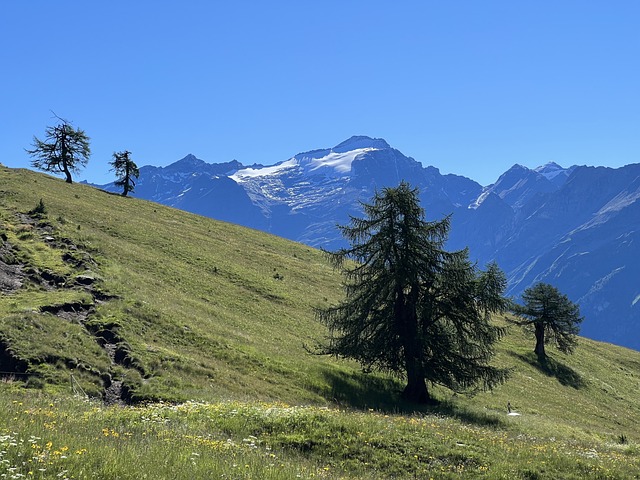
point(412, 308)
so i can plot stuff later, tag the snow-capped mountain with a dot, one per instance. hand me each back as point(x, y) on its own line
point(304, 197)
point(555, 173)
point(572, 227)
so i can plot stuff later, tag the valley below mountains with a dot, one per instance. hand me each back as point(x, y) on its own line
point(576, 228)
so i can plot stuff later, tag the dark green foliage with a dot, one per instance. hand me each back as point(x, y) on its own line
point(65, 149)
point(412, 308)
point(126, 170)
point(490, 287)
point(552, 315)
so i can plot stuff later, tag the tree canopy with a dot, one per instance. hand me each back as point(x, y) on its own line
point(412, 308)
point(126, 171)
point(552, 315)
point(65, 149)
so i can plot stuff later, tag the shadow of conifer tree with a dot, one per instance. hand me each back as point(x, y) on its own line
point(363, 391)
point(552, 368)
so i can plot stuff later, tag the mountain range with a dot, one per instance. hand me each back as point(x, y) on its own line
point(576, 228)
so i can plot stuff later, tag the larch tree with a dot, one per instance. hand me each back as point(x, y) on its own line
point(490, 287)
point(551, 315)
point(65, 149)
point(126, 171)
point(411, 308)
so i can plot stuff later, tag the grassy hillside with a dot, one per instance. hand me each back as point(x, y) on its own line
point(200, 309)
point(128, 299)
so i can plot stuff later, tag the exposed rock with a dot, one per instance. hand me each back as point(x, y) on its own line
point(113, 390)
point(73, 312)
point(85, 279)
point(11, 272)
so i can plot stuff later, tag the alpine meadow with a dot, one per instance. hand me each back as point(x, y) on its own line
point(141, 341)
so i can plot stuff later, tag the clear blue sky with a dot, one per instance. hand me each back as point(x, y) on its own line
point(471, 87)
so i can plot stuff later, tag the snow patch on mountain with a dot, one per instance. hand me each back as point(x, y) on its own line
point(264, 171)
point(328, 162)
point(339, 162)
point(332, 162)
point(478, 201)
point(550, 170)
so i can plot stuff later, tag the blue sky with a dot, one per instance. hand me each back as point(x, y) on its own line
point(470, 87)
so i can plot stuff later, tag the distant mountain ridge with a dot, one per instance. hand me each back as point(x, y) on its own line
point(574, 227)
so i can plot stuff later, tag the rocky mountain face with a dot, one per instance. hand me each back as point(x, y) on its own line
point(576, 228)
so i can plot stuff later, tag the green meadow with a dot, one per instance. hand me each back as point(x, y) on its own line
point(209, 329)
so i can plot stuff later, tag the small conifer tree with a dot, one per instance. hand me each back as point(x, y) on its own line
point(65, 149)
point(552, 316)
point(126, 171)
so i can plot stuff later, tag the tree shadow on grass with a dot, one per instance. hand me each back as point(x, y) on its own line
point(362, 391)
point(552, 368)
